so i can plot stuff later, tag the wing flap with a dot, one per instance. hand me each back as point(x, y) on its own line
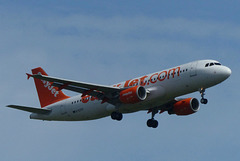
point(30, 109)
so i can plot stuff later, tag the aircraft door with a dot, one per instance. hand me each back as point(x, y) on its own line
point(193, 69)
point(62, 110)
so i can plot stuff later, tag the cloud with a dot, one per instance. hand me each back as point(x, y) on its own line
point(114, 37)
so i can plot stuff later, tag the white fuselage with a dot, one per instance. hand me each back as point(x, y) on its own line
point(162, 87)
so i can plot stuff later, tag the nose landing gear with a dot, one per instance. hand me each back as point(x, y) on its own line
point(203, 100)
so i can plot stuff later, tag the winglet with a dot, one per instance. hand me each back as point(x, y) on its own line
point(29, 75)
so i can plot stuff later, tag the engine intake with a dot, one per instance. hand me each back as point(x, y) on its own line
point(185, 107)
point(133, 95)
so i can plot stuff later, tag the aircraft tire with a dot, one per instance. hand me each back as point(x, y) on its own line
point(204, 101)
point(152, 123)
point(117, 116)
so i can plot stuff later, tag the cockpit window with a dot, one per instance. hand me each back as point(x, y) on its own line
point(217, 63)
point(212, 64)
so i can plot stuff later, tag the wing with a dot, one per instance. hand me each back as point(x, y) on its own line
point(102, 92)
point(31, 109)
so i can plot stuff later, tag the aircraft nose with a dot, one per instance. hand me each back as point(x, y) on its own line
point(225, 72)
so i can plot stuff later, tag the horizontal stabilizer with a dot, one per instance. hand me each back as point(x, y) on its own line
point(31, 109)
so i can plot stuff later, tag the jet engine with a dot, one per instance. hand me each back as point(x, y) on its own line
point(185, 107)
point(133, 95)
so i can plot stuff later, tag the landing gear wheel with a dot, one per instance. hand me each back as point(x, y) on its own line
point(117, 116)
point(152, 123)
point(202, 92)
point(204, 101)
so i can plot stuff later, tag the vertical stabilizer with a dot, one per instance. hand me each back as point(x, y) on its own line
point(47, 93)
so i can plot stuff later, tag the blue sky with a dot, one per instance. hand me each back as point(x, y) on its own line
point(106, 42)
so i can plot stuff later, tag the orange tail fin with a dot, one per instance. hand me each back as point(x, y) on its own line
point(47, 93)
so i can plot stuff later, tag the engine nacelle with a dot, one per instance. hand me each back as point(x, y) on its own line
point(185, 107)
point(133, 95)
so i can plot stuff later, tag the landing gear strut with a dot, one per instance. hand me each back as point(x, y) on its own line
point(203, 100)
point(117, 116)
point(152, 122)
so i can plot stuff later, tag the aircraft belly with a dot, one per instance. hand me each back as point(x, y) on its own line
point(144, 105)
point(90, 111)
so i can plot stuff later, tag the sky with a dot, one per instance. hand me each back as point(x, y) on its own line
point(106, 42)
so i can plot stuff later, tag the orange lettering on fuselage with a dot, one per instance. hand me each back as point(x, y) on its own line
point(133, 82)
point(85, 99)
point(162, 76)
point(173, 73)
point(94, 98)
point(159, 76)
point(142, 81)
point(117, 85)
point(153, 80)
point(126, 83)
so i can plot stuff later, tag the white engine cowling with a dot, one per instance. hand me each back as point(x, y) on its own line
point(133, 95)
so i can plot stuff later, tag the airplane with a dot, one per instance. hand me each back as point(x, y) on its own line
point(157, 92)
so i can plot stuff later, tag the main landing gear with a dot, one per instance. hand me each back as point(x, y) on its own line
point(152, 122)
point(203, 100)
point(117, 116)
